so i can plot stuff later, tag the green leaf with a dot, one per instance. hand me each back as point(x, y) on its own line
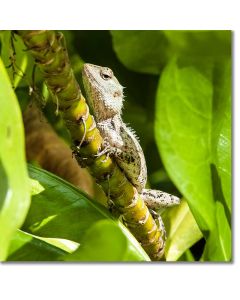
point(222, 131)
point(224, 231)
point(199, 43)
point(20, 56)
point(60, 210)
point(192, 130)
point(14, 191)
point(106, 241)
point(182, 130)
point(218, 246)
point(183, 231)
point(149, 51)
point(140, 50)
point(27, 247)
point(187, 256)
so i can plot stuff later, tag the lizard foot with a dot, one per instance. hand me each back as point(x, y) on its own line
point(106, 148)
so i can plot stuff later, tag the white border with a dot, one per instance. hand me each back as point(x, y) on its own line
point(126, 281)
point(119, 14)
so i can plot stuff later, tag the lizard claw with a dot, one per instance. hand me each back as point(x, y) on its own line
point(106, 148)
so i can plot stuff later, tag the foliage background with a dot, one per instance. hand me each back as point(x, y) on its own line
point(178, 100)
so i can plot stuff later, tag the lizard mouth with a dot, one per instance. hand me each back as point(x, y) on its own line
point(88, 71)
point(103, 96)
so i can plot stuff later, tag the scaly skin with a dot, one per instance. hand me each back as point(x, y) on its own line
point(105, 97)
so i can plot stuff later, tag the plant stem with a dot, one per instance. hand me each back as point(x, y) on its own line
point(50, 54)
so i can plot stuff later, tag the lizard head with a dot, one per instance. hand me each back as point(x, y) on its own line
point(104, 92)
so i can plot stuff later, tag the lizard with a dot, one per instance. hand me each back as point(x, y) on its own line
point(105, 98)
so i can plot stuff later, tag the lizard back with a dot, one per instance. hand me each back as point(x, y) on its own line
point(105, 97)
point(135, 166)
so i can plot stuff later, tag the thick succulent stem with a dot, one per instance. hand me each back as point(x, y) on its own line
point(50, 54)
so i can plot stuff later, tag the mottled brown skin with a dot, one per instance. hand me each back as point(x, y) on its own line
point(105, 97)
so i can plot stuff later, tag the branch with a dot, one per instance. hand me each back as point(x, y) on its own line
point(50, 54)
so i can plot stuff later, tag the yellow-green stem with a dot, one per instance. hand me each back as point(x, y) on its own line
point(50, 54)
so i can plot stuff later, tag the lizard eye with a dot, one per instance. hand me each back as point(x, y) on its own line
point(106, 73)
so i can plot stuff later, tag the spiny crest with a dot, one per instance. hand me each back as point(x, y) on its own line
point(133, 132)
point(104, 92)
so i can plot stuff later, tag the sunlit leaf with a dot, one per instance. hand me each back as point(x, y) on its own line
point(182, 230)
point(27, 247)
point(14, 57)
point(193, 121)
point(14, 190)
point(221, 135)
point(106, 241)
point(61, 211)
point(218, 246)
point(183, 134)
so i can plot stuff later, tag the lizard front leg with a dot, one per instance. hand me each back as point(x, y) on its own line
point(119, 144)
point(155, 199)
point(120, 155)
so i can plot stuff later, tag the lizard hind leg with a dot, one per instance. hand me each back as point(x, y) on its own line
point(155, 199)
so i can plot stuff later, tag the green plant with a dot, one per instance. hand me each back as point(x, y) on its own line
point(178, 99)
